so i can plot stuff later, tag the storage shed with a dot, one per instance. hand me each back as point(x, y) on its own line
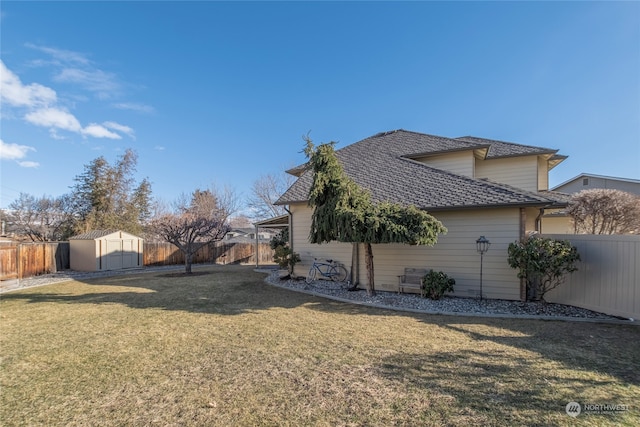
point(101, 250)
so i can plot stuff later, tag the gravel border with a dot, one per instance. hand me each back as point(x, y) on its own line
point(447, 305)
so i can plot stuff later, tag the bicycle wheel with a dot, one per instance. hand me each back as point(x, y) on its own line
point(311, 276)
point(339, 273)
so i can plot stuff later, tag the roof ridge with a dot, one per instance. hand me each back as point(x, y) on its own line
point(464, 138)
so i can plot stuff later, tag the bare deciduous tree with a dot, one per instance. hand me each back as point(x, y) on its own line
point(197, 221)
point(264, 193)
point(42, 219)
point(605, 211)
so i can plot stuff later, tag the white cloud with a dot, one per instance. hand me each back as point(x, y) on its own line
point(98, 131)
point(40, 105)
point(120, 128)
point(140, 108)
point(13, 151)
point(102, 83)
point(29, 164)
point(17, 94)
point(54, 118)
point(159, 148)
point(62, 55)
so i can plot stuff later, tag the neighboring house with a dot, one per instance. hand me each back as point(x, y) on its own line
point(587, 181)
point(248, 234)
point(474, 186)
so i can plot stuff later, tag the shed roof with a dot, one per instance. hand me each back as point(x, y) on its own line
point(97, 234)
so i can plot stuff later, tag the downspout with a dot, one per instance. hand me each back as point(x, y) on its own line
point(523, 232)
point(290, 221)
point(539, 221)
point(290, 228)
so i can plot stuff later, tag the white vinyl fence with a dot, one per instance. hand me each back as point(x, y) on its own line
point(608, 276)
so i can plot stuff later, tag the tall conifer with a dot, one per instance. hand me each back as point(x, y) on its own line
point(344, 212)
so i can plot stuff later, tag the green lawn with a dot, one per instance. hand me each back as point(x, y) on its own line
point(222, 348)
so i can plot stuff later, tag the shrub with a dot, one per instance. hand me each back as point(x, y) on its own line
point(435, 284)
point(283, 255)
point(286, 258)
point(280, 239)
point(543, 263)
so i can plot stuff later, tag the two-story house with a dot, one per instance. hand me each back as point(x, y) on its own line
point(474, 186)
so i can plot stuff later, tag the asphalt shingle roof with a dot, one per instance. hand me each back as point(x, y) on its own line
point(382, 165)
point(506, 149)
point(91, 235)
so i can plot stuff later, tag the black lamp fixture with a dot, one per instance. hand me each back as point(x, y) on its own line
point(482, 245)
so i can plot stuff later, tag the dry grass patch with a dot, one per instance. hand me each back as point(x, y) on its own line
point(223, 348)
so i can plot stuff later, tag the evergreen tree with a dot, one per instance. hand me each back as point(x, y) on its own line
point(344, 212)
point(104, 196)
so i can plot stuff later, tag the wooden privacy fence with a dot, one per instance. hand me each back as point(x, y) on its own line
point(31, 259)
point(608, 276)
point(162, 253)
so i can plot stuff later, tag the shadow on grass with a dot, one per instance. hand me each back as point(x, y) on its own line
point(227, 290)
point(511, 389)
point(234, 290)
point(608, 349)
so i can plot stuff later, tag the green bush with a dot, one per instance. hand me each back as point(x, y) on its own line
point(286, 258)
point(280, 239)
point(283, 255)
point(543, 263)
point(435, 284)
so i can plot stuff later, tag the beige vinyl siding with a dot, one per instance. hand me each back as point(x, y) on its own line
point(300, 226)
point(519, 172)
point(550, 223)
point(455, 253)
point(557, 225)
point(531, 215)
point(543, 174)
point(460, 162)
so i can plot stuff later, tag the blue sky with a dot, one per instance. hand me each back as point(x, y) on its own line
point(216, 93)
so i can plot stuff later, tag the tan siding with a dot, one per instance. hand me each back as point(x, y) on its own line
point(557, 225)
point(455, 253)
point(530, 222)
point(301, 224)
point(461, 163)
point(543, 174)
point(520, 172)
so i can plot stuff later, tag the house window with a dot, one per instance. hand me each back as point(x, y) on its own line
point(585, 181)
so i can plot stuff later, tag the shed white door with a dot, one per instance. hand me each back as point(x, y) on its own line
point(122, 254)
point(114, 254)
point(129, 254)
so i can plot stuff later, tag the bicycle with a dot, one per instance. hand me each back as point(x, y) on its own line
point(330, 270)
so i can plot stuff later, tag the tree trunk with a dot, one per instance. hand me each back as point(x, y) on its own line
point(188, 259)
point(371, 290)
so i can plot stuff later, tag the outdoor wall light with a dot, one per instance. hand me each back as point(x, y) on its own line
point(482, 245)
